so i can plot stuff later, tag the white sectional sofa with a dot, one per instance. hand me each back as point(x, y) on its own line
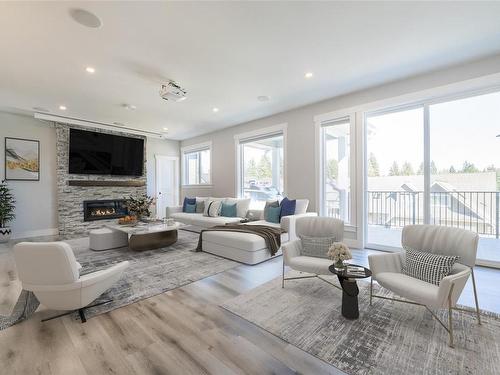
point(242, 247)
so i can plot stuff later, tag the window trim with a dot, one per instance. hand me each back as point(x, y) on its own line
point(321, 121)
point(259, 133)
point(195, 148)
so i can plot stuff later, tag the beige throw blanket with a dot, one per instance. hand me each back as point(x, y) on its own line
point(271, 235)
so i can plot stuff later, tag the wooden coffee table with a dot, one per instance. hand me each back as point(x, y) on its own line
point(350, 290)
point(147, 236)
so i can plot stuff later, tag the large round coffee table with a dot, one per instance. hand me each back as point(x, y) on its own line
point(350, 290)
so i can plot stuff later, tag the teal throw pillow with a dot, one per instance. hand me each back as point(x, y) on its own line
point(228, 210)
point(273, 215)
point(190, 208)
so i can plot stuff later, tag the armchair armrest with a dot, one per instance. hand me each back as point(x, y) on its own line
point(170, 210)
point(288, 224)
point(291, 250)
point(387, 262)
point(458, 278)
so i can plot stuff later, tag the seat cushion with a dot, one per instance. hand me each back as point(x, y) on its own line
point(242, 241)
point(184, 217)
point(207, 222)
point(409, 287)
point(318, 266)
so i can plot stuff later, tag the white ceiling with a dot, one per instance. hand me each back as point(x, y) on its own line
point(225, 54)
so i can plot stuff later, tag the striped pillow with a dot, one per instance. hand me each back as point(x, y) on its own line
point(316, 246)
point(428, 267)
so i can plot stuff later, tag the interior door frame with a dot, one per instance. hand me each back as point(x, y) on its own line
point(158, 159)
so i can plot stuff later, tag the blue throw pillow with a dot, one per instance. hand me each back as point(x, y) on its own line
point(228, 210)
point(273, 214)
point(190, 208)
point(288, 206)
point(188, 201)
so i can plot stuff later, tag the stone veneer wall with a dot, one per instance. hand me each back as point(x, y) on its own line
point(70, 198)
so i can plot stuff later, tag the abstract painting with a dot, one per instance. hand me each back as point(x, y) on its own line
point(22, 159)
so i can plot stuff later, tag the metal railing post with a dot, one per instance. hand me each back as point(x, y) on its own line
point(497, 214)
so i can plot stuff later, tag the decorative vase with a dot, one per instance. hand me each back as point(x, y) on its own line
point(5, 234)
point(339, 265)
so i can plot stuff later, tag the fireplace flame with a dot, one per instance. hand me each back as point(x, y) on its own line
point(102, 211)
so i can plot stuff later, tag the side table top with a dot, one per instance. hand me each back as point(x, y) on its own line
point(345, 274)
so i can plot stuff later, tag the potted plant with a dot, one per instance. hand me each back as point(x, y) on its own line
point(339, 252)
point(7, 206)
point(139, 205)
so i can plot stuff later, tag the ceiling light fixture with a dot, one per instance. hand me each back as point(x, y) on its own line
point(215, 109)
point(62, 107)
point(85, 18)
point(308, 75)
point(90, 70)
point(263, 98)
point(165, 129)
point(172, 91)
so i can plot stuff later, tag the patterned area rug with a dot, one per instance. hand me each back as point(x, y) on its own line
point(150, 273)
point(388, 338)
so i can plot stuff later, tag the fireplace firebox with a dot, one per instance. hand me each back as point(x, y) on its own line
point(104, 209)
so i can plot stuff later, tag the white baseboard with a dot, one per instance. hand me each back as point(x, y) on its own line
point(35, 233)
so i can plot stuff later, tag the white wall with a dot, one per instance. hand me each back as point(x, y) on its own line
point(36, 201)
point(301, 130)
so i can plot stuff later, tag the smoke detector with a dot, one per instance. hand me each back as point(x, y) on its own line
point(172, 91)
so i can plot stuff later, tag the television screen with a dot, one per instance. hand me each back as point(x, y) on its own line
point(101, 153)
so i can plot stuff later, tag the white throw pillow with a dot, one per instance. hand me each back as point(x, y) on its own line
point(242, 205)
point(212, 208)
point(301, 206)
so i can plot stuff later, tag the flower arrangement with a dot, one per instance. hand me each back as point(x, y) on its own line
point(140, 205)
point(339, 252)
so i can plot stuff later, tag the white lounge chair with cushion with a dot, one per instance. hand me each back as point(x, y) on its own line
point(293, 251)
point(387, 269)
point(51, 272)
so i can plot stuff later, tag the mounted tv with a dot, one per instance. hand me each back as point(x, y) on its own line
point(101, 153)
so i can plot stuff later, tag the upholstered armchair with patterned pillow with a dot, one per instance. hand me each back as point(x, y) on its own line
point(307, 253)
point(420, 275)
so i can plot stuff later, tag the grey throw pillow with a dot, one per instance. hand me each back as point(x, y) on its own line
point(316, 246)
point(200, 207)
point(428, 267)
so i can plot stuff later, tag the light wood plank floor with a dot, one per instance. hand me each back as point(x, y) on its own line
point(182, 331)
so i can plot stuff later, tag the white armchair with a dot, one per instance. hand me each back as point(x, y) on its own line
point(387, 269)
point(313, 227)
point(51, 272)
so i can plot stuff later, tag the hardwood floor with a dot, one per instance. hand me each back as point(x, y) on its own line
point(182, 331)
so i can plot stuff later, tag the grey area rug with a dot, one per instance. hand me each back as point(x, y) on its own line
point(150, 273)
point(388, 338)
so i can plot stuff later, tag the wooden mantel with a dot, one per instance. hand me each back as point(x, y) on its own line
point(130, 183)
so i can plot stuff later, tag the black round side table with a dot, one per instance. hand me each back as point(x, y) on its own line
point(350, 290)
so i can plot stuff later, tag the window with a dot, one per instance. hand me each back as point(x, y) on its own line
point(196, 165)
point(335, 168)
point(261, 168)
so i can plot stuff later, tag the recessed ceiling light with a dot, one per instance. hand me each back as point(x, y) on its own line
point(308, 75)
point(90, 70)
point(40, 109)
point(215, 109)
point(263, 98)
point(62, 107)
point(165, 129)
point(85, 18)
point(130, 107)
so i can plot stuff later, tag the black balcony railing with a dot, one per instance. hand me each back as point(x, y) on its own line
point(478, 211)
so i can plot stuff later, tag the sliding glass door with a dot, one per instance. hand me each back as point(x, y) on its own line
point(395, 181)
point(435, 163)
point(465, 168)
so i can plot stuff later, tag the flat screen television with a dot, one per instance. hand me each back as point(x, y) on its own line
point(101, 153)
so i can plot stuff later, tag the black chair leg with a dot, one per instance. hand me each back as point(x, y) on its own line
point(82, 315)
point(81, 311)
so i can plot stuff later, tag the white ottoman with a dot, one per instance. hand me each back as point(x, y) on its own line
point(105, 238)
point(246, 248)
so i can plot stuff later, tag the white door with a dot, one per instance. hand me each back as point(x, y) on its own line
point(167, 183)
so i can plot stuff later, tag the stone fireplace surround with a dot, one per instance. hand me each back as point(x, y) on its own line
point(70, 198)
